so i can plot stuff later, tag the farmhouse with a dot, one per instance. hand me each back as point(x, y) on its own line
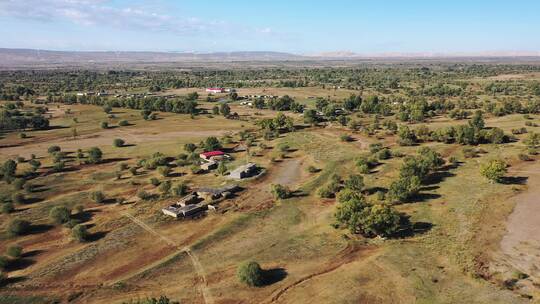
point(212, 155)
point(215, 90)
point(244, 171)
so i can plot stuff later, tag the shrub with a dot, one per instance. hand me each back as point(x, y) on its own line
point(222, 168)
point(154, 181)
point(469, 153)
point(404, 188)
point(7, 208)
point(164, 171)
point(80, 233)
point(180, 189)
point(14, 251)
point(118, 142)
point(143, 194)
point(59, 215)
point(384, 153)
point(493, 170)
point(123, 123)
point(18, 183)
point(97, 196)
point(104, 125)
point(133, 171)
point(355, 182)
point(17, 198)
point(18, 227)
point(280, 191)
point(22, 135)
point(345, 138)
point(374, 148)
point(251, 274)
point(165, 187)
point(524, 157)
point(53, 149)
point(161, 300)
point(94, 155)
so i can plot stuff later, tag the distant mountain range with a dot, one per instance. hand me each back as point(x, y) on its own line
point(13, 58)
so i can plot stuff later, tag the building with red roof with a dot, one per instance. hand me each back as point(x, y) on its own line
point(210, 154)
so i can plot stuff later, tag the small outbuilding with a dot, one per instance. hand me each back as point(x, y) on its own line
point(244, 171)
point(212, 154)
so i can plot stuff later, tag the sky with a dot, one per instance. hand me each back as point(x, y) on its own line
point(294, 26)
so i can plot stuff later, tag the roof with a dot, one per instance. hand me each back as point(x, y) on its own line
point(216, 191)
point(246, 167)
point(212, 153)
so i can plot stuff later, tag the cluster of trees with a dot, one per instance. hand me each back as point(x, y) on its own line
point(17, 120)
point(359, 216)
point(414, 171)
point(272, 127)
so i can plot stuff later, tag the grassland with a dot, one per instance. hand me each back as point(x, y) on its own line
point(451, 255)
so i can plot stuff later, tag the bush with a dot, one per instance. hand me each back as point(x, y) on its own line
point(18, 227)
point(143, 194)
point(17, 198)
point(59, 215)
point(80, 233)
point(345, 138)
point(280, 191)
point(123, 123)
point(118, 142)
point(469, 153)
point(97, 196)
point(14, 251)
point(524, 157)
point(104, 125)
point(493, 170)
point(355, 183)
point(251, 274)
point(7, 208)
point(164, 171)
point(53, 149)
point(180, 189)
point(384, 153)
point(94, 155)
point(155, 182)
point(161, 300)
point(18, 183)
point(165, 187)
point(312, 169)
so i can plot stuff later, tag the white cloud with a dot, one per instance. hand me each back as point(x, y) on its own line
point(102, 14)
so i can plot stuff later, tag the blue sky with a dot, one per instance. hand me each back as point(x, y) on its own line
point(300, 26)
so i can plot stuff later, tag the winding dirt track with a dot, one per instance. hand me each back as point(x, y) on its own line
point(207, 295)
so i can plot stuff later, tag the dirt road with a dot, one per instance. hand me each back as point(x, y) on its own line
point(521, 245)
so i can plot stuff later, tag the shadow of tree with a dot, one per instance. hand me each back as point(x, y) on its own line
point(274, 275)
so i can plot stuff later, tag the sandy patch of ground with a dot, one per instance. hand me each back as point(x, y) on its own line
point(520, 247)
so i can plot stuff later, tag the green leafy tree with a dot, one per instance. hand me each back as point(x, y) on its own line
point(355, 182)
point(95, 155)
point(222, 168)
point(250, 273)
point(14, 252)
point(80, 233)
point(493, 170)
point(379, 219)
point(18, 227)
point(118, 142)
point(211, 144)
point(59, 215)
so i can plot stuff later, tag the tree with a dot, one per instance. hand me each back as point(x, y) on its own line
point(59, 215)
point(211, 144)
point(404, 188)
point(107, 109)
point(280, 191)
point(477, 121)
point(104, 125)
point(189, 147)
point(7, 208)
point(14, 252)
point(222, 168)
point(250, 273)
point(180, 189)
point(80, 233)
point(165, 187)
point(355, 182)
point(348, 213)
point(311, 117)
point(9, 168)
point(493, 170)
point(118, 142)
point(379, 219)
point(406, 136)
point(225, 109)
point(164, 171)
point(94, 155)
point(97, 196)
point(53, 149)
point(18, 227)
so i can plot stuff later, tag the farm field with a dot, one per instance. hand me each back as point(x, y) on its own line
point(398, 185)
